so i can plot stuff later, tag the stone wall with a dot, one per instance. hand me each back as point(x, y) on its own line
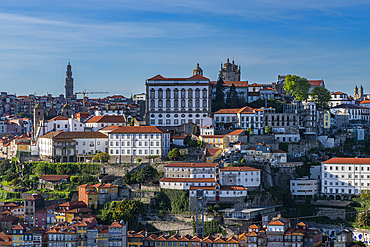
point(181, 228)
point(11, 189)
point(301, 148)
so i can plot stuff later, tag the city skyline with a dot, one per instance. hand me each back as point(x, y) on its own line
point(115, 46)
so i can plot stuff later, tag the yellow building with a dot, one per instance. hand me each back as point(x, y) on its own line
point(214, 141)
point(213, 154)
point(327, 120)
point(18, 235)
point(82, 234)
point(96, 194)
point(135, 239)
point(69, 210)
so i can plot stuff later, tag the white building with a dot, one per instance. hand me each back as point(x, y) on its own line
point(63, 146)
point(207, 130)
point(304, 187)
point(345, 176)
point(355, 112)
point(60, 123)
point(339, 98)
point(240, 176)
point(175, 101)
point(99, 122)
point(241, 118)
point(127, 143)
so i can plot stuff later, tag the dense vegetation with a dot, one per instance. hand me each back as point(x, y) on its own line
point(146, 175)
point(172, 200)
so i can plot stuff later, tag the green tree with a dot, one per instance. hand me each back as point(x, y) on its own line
point(126, 178)
point(321, 96)
point(364, 219)
point(161, 214)
point(126, 210)
point(297, 87)
point(174, 154)
point(232, 98)
point(101, 157)
point(4, 166)
point(218, 101)
point(146, 175)
point(138, 160)
point(276, 104)
point(243, 160)
point(268, 129)
point(41, 168)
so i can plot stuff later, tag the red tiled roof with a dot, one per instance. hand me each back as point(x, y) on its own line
point(138, 129)
point(180, 137)
point(347, 161)
point(255, 85)
point(106, 119)
point(192, 165)
point(315, 82)
point(54, 177)
point(214, 136)
point(366, 101)
point(235, 132)
point(34, 197)
point(278, 151)
point(161, 78)
point(116, 224)
point(211, 152)
point(340, 93)
point(236, 83)
point(58, 118)
point(58, 135)
point(235, 168)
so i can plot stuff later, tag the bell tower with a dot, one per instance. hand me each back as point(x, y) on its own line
point(69, 82)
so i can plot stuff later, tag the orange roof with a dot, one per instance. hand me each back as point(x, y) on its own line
point(255, 85)
point(64, 135)
point(340, 93)
point(116, 224)
point(58, 118)
point(269, 88)
point(315, 82)
point(54, 177)
point(161, 78)
point(214, 136)
point(235, 169)
point(138, 129)
point(236, 132)
point(211, 152)
point(347, 161)
point(192, 165)
point(366, 101)
point(245, 110)
point(236, 83)
point(106, 119)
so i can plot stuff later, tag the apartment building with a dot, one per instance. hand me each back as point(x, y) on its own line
point(241, 118)
point(240, 176)
point(98, 194)
point(302, 187)
point(98, 122)
point(127, 143)
point(175, 101)
point(345, 176)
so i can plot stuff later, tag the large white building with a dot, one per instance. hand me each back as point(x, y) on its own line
point(127, 143)
point(60, 123)
point(241, 118)
point(345, 176)
point(240, 176)
point(175, 101)
point(63, 146)
point(339, 98)
point(355, 112)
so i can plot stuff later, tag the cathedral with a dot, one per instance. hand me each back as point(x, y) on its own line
point(69, 82)
point(230, 71)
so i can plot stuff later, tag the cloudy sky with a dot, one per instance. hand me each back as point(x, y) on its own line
point(116, 45)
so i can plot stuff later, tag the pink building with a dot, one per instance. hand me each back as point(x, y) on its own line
point(40, 218)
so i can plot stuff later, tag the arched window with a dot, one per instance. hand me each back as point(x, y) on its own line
point(168, 93)
point(152, 103)
point(197, 93)
point(160, 93)
point(176, 93)
point(197, 104)
point(190, 93)
point(204, 103)
point(160, 103)
point(168, 103)
point(176, 103)
point(152, 93)
point(204, 93)
point(190, 103)
point(182, 93)
point(182, 103)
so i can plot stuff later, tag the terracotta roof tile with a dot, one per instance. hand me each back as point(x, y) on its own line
point(197, 165)
point(347, 161)
point(106, 119)
point(138, 129)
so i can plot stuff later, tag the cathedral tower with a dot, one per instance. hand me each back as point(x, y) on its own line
point(38, 117)
point(230, 71)
point(66, 111)
point(69, 82)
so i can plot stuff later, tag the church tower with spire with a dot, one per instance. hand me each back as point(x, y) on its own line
point(69, 82)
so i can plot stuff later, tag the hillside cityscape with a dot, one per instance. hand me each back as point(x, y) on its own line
point(188, 162)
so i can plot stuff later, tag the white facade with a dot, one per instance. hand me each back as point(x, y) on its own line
point(60, 123)
point(224, 191)
point(339, 98)
point(345, 176)
point(207, 130)
point(175, 101)
point(127, 143)
point(99, 122)
point(304, 187)
point(355, 112)
point(240, 176)
point(287, 137)
point(186, 183)
point(242, 118)
point(91, 145)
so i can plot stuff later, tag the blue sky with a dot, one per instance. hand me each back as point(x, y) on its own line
point(115, 46)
